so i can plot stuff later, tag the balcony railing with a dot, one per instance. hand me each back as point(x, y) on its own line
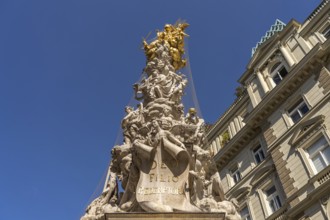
point(279, 214)
point(322, 177)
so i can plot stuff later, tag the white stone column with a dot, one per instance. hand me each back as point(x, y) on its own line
point(240, 119)
point(230, 131)
point(251, 95)
point(214, 147)
point(221, 139)
point(262, 82)
point(287, 56)
point(232, 126)
point(217, 141)
point(237, 125)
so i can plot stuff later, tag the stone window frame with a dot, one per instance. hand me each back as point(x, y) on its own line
point(277, 58)
point(230, 180)
point(235, 174)
point(302, 149)
point(326, 205)
point(325, 28)
point(255, 145)
point(247, 206)
point(320, 152)
point(298, 108)
point(273, 197)
point(276, 70)
point(326, 32)
point(293, 101)
point(263, 198)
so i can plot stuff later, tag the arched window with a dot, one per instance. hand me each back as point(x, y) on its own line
point(278, 72)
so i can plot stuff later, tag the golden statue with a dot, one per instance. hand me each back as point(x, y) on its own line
point(171, 37)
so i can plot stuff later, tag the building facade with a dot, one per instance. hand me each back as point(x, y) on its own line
point(272, 145)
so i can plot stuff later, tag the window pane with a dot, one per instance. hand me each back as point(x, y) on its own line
point(295, 117)
point(244, 211)
point(298, 110)
point(326, 154)
point(277, 79)
point(326, 32)
point(317, 146)
point(318, 163)
point(235, 179)
point(283, 72)
point(272, 205)
point(270, 191)
point(258, 154)
point(275, 66)
point(303, 109)
point(234, 170)
point(256, 149)
point(258, 160)
point(274, 202)
point(262, 155)
point(245, 214)
point(236, 176)
point(278, 202)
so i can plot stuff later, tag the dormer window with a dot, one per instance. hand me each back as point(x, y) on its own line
point(278, 72)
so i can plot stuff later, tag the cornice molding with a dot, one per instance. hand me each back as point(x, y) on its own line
point(305, 129)
point(268, 47)
point(289, 84)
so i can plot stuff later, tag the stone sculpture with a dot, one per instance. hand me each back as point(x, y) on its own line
point(161, 165)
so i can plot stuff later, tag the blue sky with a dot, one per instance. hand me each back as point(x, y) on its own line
point(66, 74)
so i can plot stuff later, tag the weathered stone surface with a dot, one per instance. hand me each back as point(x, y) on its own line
point(161, 165)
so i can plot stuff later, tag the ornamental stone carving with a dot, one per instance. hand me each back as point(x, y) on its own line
point(161, 166)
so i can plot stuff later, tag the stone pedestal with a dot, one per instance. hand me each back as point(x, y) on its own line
point(167, 216)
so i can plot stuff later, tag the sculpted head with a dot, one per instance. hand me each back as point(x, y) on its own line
point(166, 111)
point(155, 72)
point(192, 111)
point(168, 27)
point(155, 124)
point(128, 109)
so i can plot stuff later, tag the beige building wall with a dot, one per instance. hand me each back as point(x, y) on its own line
point(267, 148)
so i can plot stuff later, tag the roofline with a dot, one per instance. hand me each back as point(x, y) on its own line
point(317, 10)
point(260, 53)
point(214, 129)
